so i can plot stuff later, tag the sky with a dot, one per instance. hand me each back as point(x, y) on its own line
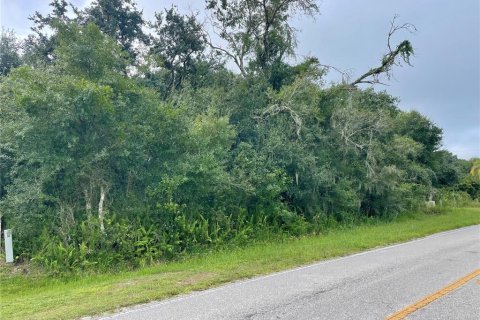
point(443, 84)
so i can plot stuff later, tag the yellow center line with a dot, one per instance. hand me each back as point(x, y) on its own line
point(401, 314)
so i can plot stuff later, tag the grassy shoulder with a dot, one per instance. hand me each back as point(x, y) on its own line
point(41, 297)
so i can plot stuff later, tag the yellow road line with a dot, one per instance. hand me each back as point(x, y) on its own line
point(428, 299)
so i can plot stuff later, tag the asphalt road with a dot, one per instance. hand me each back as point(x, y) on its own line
point(368, 285)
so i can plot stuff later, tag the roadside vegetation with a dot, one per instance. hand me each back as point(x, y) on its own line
point(129, 149)
point(38, 296)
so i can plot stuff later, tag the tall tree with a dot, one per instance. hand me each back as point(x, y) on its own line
point(120, 19)
point(9, 52)
point(178, 45)
point(257, 33)
point(66, 132)
point(40, 45)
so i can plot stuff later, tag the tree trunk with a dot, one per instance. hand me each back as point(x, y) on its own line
point(100, 209)
point(88, 202)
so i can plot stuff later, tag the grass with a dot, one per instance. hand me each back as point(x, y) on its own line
point(37, 296)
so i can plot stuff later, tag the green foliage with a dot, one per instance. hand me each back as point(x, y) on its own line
point(470, 185)
point(475, 168)
point(179, 48)
point(414, 125)
point(120, 20)
point(87, 52)
point(456, 199)
point(9, 52)
point(106, 164)
point(257, 33)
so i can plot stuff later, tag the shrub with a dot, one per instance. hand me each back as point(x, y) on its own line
point(452, 198)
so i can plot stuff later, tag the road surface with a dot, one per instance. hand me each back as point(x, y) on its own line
point(370, 285)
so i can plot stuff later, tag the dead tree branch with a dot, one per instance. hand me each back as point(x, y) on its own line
point(404, 51)
point(344, 73)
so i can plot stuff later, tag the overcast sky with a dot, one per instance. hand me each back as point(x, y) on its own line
point(444, 83)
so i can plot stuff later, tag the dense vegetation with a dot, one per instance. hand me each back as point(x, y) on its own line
point(120, 147)
point(38, 296)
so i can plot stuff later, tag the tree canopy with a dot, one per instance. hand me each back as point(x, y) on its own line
point(112, 155)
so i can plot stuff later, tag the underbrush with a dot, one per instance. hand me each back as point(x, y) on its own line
point(126, 245)
point(38, 295)
point(175, 234)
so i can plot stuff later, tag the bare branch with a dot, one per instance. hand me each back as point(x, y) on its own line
point(344, 73)
point(404, 50)
point(276, 109)
point(394, 28)
point(286, 107)
point(235, 59)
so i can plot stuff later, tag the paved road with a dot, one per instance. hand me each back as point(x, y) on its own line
point(369, 285)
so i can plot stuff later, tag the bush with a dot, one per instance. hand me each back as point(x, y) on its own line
point(452, 198)
point(127, 244)
point(322, 223)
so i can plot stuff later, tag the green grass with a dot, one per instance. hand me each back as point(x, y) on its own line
point(41, 297)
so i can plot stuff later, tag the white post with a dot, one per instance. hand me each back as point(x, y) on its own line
point(8, 245)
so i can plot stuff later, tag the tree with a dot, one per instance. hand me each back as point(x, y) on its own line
point(66, 133)
point(9, 52)
point(86, 52)
point(448, 169)
point(39, 46)
point(65, 137)
point(120, 19)
point(257, 33)
point(416, 126)
point(178, 45)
